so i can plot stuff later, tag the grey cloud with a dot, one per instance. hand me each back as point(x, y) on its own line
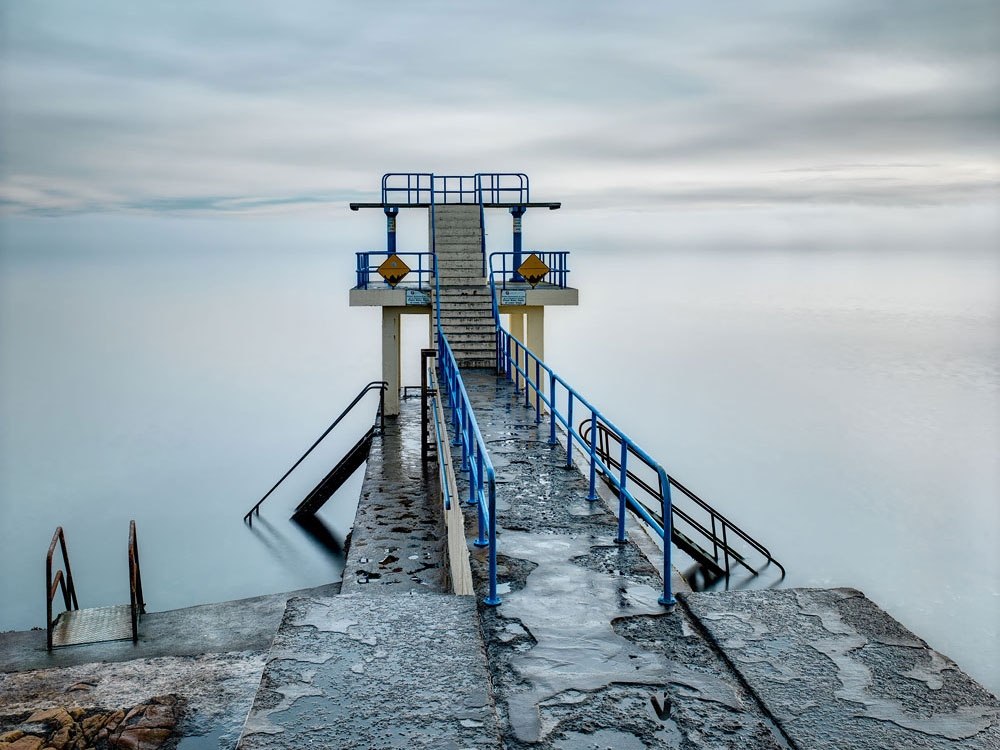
point(162, 107)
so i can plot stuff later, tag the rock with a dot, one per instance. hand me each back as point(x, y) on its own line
point(76, 712)
point(140, 738)
point(14, 734)
point(60, 739)
point(93, 724)
point(27, 742)
point(57, 714)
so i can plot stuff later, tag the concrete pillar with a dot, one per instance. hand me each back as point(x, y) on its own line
point(536, 341)
point(390, 358)
point(517, 331)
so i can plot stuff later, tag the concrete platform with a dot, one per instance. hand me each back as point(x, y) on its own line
point(362, 671)
point(835, 670)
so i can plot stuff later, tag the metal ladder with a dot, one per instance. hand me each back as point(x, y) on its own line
point(76, 626)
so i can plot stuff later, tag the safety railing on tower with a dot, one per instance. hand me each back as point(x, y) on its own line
point(502, 268)
point(427, 188)
point(369, 261)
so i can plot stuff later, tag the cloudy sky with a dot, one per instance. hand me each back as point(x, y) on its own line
point(292, 107)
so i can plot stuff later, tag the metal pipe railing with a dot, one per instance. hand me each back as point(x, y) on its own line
point(137, 604)
point(426, 188)
point(379, 385)
point(514, 354)
point(717, 536)
point(475, 458)
point(367, 263)
point(556, 260)
point(60, 581)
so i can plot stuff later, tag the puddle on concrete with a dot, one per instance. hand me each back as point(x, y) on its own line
point(591, 655)
point(211, 741)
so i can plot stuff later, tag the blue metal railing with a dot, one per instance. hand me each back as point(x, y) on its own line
point(556, 260)
point(427, 188)
point(367, 263)
point(519, 363)
point(475, 459)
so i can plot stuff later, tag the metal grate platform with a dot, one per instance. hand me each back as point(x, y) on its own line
point(95, 625)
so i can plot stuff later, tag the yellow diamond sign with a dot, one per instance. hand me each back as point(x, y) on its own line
point(393, 270)
point(533, 269)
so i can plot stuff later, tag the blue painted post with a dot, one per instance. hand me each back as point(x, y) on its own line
point(476, 482)
point(569, 430)
point(622, 480)
point(390, 228)
point(593, 456)
point(466, 431)
point(517, 212)
point(538, 392)
point(552, 408)
point(667, 599)
point(527, 381)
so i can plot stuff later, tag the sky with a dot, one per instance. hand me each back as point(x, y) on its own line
point(298, 108)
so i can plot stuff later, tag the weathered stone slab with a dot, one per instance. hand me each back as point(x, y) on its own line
point(406, 671)
point(835, 670)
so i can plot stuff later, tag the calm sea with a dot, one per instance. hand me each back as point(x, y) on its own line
point(841, 404)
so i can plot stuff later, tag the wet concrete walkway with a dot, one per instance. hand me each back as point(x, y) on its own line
point(582, 655)
point(398, 539)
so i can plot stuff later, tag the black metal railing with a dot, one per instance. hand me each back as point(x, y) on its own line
point(693, 535)
point(60, 580)
point(380, 386)
point(136, 602)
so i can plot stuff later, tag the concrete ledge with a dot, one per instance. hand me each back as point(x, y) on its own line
point(833, 669)
point(238, 625)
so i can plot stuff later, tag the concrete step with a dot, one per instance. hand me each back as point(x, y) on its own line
point(468, 302)
point(468, 339)
point(368, 670)
point(473, 363)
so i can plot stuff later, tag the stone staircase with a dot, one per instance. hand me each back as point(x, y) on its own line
point(466, 305)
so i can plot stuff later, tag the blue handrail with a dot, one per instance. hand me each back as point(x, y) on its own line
point(556, 260)
point(511, 355)
point(475, 458)
point(427, 188)
point(368, 262)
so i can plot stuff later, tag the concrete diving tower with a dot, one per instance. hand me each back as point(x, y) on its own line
point(450, 281)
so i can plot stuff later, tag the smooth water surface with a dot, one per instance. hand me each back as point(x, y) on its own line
point(840, 404)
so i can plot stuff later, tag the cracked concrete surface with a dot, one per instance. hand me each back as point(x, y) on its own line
point(836, 670)
point(357, 670)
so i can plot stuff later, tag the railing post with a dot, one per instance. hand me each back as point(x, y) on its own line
point(592, 495)
point(569, 430)
point(425, 354)
point(517, 212)
point(538, 391)
point(552, 408)
point(492, 599)
point(667, 600)
point(622, 480)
